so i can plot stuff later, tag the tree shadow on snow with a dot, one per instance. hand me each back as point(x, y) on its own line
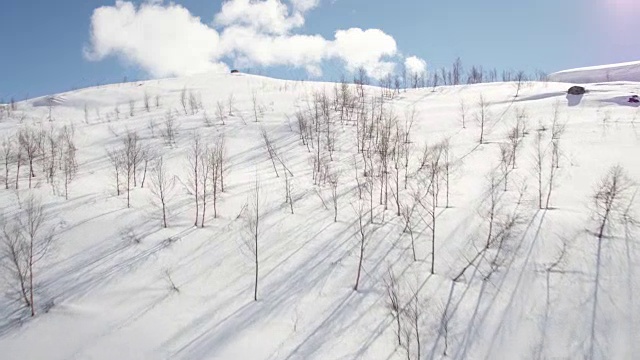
point(622, 101)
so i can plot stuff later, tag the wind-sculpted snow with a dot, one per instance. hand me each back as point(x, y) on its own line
point(599, 74)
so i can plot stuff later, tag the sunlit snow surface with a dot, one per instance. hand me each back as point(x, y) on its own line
point(109, 297)
point(629, 71)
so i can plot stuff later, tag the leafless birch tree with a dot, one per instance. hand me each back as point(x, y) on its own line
point(252, 229)
point(161, 186)
point(26, 241)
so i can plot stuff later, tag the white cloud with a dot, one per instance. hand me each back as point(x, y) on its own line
point(252, 48)
point(415, 65)
point(304, 5)
point(165, 39)
point(268, 16)
point(365, 48)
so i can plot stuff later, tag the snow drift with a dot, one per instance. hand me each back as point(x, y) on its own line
point(629, 71)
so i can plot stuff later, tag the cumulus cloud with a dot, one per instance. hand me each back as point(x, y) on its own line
point(163, 40)
point(304, 5)
point(366, 49)
point(415, 65)
point(268, 16)
point(250, 47)
point(166, 39)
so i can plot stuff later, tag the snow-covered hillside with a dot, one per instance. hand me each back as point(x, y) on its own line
point(532, 277)
point(629, 71)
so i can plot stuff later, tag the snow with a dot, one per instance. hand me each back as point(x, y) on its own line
point(107, 296)
point(629, 71)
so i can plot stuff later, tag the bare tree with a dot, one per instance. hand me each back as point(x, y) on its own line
point(553, 168)
point(230, 104)
point(463, 113)
point(147, 155)
point(475, 75)
point(29, 142)
point(446, 168)
point(482, 117)
point(493, 207)
point(132, 107)
point(611, 199)
point(506, 159)
point(183, 99)
point(223, 163)
point(363, 233)
point(205, 167)
point(407, 212)
point(429, 199)
point(216, 161)
point(514, 141)
point(25, 242)
point(413, 314)
point(445, 319)
point(8, 153)
point(146, 101)
point(333, 178)
point(256, 105)
point(220, 112)
point(206, 119)
point(288, 187)
point(252, 222)
point(86, 114)
point(539, 165)
point(393, 302)
point(434, 80)
point(194, 158)
point(116, 159)
point(520, 79)
point(132, 149)
point(53, 142)
point(194, 103)
point(161, 187)
point(151, 125)
point(557, 130)
point(68, 158)
point(170, 129)
point(50, 105)
point(14, 251)
point(398, 149)
point(457, 72)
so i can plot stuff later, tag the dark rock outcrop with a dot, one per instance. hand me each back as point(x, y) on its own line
point(576, 90)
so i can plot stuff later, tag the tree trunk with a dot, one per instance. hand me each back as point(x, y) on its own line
point(31, 174)
point(144, 173)
point(433, 240)
point(359, 264)
point(33, 310)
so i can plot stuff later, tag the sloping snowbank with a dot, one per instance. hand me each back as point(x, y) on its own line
point(105, 290)
point(629, 71)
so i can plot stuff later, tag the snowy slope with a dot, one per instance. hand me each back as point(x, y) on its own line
point(629, 71)
point(103, 295)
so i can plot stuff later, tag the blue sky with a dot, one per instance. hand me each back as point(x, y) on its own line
point(42, 41)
